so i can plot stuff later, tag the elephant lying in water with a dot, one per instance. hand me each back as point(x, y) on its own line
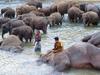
point(12, 43)
point(79, 55)
point(93, 39)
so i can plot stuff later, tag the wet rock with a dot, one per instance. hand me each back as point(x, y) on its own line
point(11, 43)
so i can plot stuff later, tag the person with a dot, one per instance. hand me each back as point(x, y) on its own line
point(57, 46)
point(37, 41)
point(37, 36)
point(38, 47)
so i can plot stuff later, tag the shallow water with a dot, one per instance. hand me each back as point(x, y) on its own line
point(26, 64)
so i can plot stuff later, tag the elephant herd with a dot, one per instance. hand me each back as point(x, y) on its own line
point(32, 15)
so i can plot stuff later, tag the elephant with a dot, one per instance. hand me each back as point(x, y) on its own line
point(83, 6)
point(23, 32)
point(21, 17)
point(55, 18)
point(75, 14)
point(37, 13)
point(37, 4)
point(79, 55)
point(23, 9)
point(7, 27)
point(89, 18)
point(93, 39)
point(53, 8)
point(93, 7)
point(12, 43)
point(63, 6)
point(46, 11)
point(8, 12)
point(90, 7)
point(39, 23)
point(3, 21)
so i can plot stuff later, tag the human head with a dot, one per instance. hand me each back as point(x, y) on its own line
point(37, 31)
point(56, 38)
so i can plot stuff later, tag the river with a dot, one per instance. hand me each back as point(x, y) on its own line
point(26, 62)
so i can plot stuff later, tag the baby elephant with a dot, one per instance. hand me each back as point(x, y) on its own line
point(89, 18)
point(75, 14)
point(55, 19)
point(23, 32)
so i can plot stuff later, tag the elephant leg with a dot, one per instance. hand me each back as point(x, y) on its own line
point(30, 39)
point(50, 24)
point(45, 30)
point(75, 19)
point(60, 22)
point(21, 38)
point(95, 23)
point(33, 30)
point(53, 23)
point(26, 40)
point(88, 24)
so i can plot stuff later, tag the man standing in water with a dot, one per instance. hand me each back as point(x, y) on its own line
point(37, 41)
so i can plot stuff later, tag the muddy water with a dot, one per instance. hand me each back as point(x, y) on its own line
point(26, 64)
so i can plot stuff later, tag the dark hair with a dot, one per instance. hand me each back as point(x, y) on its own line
point(56, 38)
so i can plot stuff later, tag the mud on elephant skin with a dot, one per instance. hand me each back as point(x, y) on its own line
point(80, 55)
